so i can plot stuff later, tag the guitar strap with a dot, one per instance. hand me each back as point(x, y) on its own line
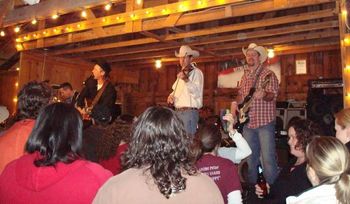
point(99, 93)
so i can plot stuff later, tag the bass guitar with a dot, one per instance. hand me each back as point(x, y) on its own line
point(243, 108)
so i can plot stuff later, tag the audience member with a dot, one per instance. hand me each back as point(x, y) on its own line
point(4, 114)
point(328, 169)
point(160, 166)
point(108, 145)
point(221, 170)
point(242, 149)
point(292, 179)
point(342, 126)
point(31, 99)
point(53, 171)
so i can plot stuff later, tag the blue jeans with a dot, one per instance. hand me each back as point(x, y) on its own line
point(262, 142)
point(190, 120)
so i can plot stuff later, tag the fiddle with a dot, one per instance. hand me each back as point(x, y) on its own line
point(186, 72)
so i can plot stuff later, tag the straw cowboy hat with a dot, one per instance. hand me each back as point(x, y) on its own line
point(4, 113)
point(260, 49)
point(186, 51)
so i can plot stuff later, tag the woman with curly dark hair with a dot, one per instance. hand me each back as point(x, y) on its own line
point(160, 167)
point(292, 179)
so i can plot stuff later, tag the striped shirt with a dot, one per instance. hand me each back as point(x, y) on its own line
point(261, 112)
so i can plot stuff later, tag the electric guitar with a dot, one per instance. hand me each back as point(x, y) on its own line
point(243, 108)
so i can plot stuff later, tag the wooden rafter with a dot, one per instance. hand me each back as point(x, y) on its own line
point(5, 7)
point(220, 39)
point(48, 8)
point(215, 14)
point(202, 32)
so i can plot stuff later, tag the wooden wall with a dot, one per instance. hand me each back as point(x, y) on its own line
point(39, 66)
point(139, 88)
point(155, 85)
point(8, 89)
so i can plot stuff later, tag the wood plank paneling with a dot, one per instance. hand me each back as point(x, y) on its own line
point(8, 89)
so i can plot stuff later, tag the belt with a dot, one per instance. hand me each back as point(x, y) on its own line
point(185, 108)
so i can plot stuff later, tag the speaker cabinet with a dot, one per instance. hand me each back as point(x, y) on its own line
point(288, 112)
point(325, 98)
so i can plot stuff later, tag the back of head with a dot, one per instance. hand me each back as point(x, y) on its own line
point(208, 137)
point(101, 114)
point(31, 99)
point(343, 118)
point(330, 160)
point(57, 135)
point(159, 143)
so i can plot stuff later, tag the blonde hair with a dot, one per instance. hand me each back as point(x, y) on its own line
point(330, 160)
point(343, 118)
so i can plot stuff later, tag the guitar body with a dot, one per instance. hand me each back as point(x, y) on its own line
point(243, 108)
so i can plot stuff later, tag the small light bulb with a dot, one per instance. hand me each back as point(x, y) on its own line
point(55, 16)
point(34, 21)
point(158, 64)
point(83, 14)
point(2, 33)
point(17, 29)
point(108, 6)
point(270, 53)
point(138, 2)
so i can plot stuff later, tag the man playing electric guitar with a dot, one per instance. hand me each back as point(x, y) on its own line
point(98, 89)
point(259, 131)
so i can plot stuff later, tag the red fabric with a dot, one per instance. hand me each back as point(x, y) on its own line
point(114, 163)
point(261, 112)
point(23, 182)
point(12, 142)
point(222, 171)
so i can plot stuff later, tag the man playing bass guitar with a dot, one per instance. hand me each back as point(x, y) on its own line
point(259, 131)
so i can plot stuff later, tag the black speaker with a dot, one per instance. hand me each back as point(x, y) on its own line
point(325, 98)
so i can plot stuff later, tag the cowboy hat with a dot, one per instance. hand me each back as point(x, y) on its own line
point(260, 49)
point(186, 51)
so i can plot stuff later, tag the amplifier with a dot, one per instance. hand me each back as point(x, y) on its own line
point(325, 83)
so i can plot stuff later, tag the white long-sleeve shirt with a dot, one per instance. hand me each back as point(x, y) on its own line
point(189, 94)
point(236, 154)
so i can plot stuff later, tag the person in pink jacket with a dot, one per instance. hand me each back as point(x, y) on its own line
point(53, 170)
point(31, 99)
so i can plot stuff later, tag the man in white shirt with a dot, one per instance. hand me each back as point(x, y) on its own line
point(187, 95)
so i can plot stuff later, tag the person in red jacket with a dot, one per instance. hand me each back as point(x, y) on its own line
point(31, 99)
point(53, 171)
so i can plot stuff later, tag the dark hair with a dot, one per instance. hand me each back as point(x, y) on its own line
point(101, 114)
point(66, 85)
point(208, 137)
point(160, 144)
point(109, 141)
point(31, 99)
point(57, 135)
point(305, 130)
point(104, 66)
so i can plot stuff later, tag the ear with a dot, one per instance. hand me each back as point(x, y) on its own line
point(311, 174)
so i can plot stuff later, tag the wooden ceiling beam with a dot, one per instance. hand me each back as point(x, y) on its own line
point(283, 51)
point(48, 8)
point(188, 18)
point(220, 39)
point(279, 40)
point(232, 46)
point(209, 31)
point(5, 8)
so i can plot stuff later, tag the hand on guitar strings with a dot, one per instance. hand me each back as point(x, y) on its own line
point(259, 94)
